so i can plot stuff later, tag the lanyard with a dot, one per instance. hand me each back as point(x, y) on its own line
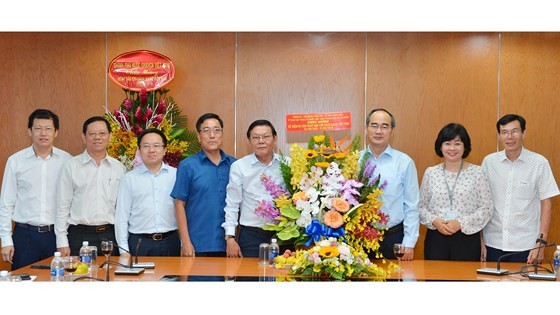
point(451, 191)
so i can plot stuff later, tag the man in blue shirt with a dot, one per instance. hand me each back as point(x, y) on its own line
point(200, 192)
point(401, 192)
point(144, 208)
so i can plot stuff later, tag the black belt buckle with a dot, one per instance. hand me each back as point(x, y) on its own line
point(44, 228)
point(157, 237)
point(100, 229)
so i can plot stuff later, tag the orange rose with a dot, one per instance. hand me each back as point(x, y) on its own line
point(333, 219)
point(340, 205)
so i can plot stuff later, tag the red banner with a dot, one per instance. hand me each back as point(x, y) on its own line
point(141, 69)
point(318, 122)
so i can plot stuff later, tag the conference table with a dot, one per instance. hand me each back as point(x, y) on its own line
point(249, 269)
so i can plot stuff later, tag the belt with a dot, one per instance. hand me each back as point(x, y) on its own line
point(156, 236)
point(395, 229)
point(93, 228)
point(40, 229)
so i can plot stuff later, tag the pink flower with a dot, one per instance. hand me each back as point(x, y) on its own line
point(139, 116)
point(161, 107)
point(127, 103)
point(148, 114)
point(143, 96)
point(157, 120)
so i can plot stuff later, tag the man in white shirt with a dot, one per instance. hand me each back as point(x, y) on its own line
point(145, 211)
point(28, 194)
point(245, 190)
point(87, 192)
point(522, 186)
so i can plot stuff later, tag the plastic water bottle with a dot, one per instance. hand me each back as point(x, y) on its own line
point(557, 263)
point(57, 268)
point(85, 254)
point(273, 251)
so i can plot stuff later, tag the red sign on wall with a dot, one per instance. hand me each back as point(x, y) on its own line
point(318, 122)
point(141, 69)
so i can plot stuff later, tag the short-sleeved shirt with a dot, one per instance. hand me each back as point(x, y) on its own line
point(202, 185)
point(517, 189)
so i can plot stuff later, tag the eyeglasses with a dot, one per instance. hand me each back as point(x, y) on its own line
point(264, 138)
point(513, 132)
point(156, 146)
point(101, 134)
point(215, 130)
point(382, 127)
point(39, 130)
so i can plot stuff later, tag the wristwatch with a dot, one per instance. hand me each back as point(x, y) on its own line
point(230, 236)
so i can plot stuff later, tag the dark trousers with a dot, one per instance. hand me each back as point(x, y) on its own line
point(77, 234)
point(30, 246)
point(250, 238)
point(392, 236)
point(492, 254)
point(458, 246)
point(168, 246)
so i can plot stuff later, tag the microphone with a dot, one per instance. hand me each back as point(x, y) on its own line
point(497, 271)
point(147, 264)
point(541, 276)
point(130, 270)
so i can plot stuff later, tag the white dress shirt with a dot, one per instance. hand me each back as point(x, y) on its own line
point(29, 190)
point(245, 190)
point(87, 193)
point(517, 189)
point(144, 203)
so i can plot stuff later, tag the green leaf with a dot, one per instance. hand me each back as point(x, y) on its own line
point(288, 233)
point(290, 212)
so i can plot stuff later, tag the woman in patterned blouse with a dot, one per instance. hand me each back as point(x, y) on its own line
point(455, 200)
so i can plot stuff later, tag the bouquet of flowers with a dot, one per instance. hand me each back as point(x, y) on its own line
point(329, 196)
point(142, 110)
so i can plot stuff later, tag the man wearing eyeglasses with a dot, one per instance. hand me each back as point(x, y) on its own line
point(200, 192)
point(145, 222)
point(28, 196)
point(522, 187)
point(245, 190)
point(87, 192)
point(401, 191)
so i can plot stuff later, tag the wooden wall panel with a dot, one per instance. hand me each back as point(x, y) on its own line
point(529, 76)
point(288, 73)
point(428, 80)
point(204, 75)
point(58, 71)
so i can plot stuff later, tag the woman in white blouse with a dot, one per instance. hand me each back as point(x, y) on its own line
point(455, 200)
